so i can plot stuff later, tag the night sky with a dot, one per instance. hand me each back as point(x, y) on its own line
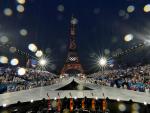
point(102, 26)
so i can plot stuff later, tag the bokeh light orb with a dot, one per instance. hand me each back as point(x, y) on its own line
point(122, 107)
point(130, 9)
point(4, 39)
point(32, 47)
point(20, 8)
point(21, 1)
point(60, 8)
point(54, 103)
point(3, 59)
point(23, 32)
point(147, 8)
point(5, 111)
point(135, 107)
point(107, 51)
point(114, 39)
point(39, 53)
point(21, 71)
point(8, 12)
point(12, 49)
point(128, 37)
point(14, 62)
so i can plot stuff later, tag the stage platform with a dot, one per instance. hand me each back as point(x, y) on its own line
point(96, 92)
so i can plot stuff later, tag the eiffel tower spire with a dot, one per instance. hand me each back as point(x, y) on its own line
point(72, 64)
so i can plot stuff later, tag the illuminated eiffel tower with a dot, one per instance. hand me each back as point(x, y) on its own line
point(72, 64)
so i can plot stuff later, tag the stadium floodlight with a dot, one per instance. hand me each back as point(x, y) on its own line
point(102, 61)
point(43, 62)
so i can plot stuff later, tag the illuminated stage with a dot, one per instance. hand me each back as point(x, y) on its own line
point(96, 91)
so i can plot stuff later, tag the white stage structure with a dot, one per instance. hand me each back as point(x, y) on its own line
point(97, 92)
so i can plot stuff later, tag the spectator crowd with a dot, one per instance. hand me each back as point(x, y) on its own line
point(133, 78)
point(10, 81)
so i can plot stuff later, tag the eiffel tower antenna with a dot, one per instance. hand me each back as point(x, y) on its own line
point(72, 64)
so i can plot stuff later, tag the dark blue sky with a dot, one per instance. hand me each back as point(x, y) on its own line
point(99, 27)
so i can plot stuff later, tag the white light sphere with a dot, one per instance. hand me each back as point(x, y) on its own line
point(118, 99)
point(54, 103)
point(122, 107)
point(14, 62)
point(130, 9)
point(75, 98)
point(96, 98)
point(135, 107)
point(21, 71)
point(32, 101)
point(12, 49)
point(102, 61)
point(128, 37)
point(8, 12)
point(42, 62)
point(21, 1)
point(74, 21)
point(147, 8)
point(4, 105)
point(39, 53)
point(60, 8)
point(145, 103)
point(32, 47)
point(23, 32)
point(20, 8)
point(3, 59)
point(4, 39)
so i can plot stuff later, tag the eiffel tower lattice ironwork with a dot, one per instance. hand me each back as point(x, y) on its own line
point(72, 61)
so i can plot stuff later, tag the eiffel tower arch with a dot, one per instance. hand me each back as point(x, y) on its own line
point(72, 64)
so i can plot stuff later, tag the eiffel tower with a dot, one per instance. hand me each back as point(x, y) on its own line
point(72, 64)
